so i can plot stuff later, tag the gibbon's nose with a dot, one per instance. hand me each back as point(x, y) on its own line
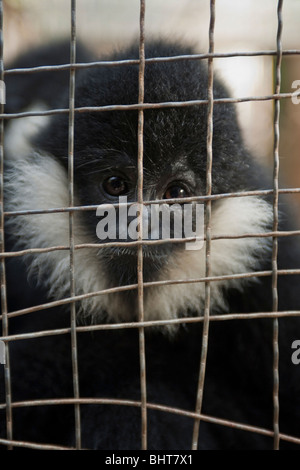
point(152, 222)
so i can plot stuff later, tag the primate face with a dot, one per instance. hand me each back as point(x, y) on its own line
point(106, 173)
point(110, 176)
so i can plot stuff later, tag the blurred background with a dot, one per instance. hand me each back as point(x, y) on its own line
point(248, 25)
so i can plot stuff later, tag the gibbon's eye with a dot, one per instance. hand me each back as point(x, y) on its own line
point(115, 186)
point(174, 192)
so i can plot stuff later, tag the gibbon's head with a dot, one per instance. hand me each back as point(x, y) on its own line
point(105, 169)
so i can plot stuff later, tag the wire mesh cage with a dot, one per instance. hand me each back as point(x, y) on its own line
point(67, 406)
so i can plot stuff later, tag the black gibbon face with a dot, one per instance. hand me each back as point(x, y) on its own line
point(174, 167)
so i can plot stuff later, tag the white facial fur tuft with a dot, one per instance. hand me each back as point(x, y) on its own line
point(18, 132)
point(228, 256)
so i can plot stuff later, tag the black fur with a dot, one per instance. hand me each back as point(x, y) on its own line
point(238, 384)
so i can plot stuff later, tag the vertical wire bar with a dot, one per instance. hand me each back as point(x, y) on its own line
point(8, 398)
point(275, 228)
point(71, 222)
point(140, 235)
point(209, 140)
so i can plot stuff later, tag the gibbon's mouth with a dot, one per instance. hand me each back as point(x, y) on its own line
point(131, 252)
point(121, 263)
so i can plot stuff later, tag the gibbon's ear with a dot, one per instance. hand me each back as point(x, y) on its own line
point(36, 91)
point(23, 90)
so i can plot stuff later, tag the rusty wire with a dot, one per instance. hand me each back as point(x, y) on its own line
point(209, 152)
point(28, 251)
point(137, 107)
point(5, 330)
point(202, 198)
point(153, 406)
point(66, 301)
point(108, 63)
point(143, 404)
point(71, 223)
point(275, 228)
point(151, 323)
point(140, 289)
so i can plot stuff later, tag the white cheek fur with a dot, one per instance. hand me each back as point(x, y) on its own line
point(39, 182)
point(233, 217)
point(19, 131)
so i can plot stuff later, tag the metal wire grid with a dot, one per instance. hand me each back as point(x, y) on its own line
point(143, 404)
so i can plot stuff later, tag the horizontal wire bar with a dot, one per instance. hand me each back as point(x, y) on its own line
point(145, 106)
point(100, 246)
point(153, 406)
point(33, 445)
point(68, 300)
point(151, 323)
point(202, 198)
point(115, 63)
